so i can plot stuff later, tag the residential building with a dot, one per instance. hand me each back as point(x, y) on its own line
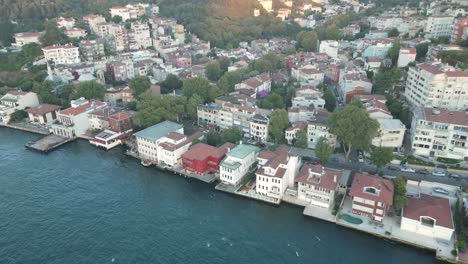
point(117, 71)
point(406, 56)
point(300, 114)
point(276, 171)
point(66, 23)
point(318, 185)
point(353, 82)
point(202, 158)
point(260, 84)
point(308, 75)
point(130, 11)
point(313, 102)
point(428, 216)
point(62, 54)
point(390, 134)
point(291, 132)
point(75, 33)
point(73, 122)
point(139, 36)
point(148, 139)
point(16, 100)
point(93, 21)
point(119, 127)
point(43, 114)
point(259, 128)
point(172, 146)
point(238, 163)
point(119, 95)
point(24, 38)
point(439, 26)
point(92, 49)
point(437, 85)
point(377, 47)
point(460, 30)
point(440, 133)
point(330, 47)
point(318, 128)
point(372, 196)
point(267, 5)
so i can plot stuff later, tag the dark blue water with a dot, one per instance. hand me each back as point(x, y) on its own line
point(79, 204)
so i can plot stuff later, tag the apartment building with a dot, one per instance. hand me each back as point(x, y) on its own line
point(439, 26)
point(92, 49)
point(62, 54)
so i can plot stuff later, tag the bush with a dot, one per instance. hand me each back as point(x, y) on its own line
point(416, 161)
point(18, 115)
point(454, 252)
point(448, 161)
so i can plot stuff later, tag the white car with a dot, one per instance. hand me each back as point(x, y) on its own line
point(407, 169)
point(439, 172)
point(361, 158)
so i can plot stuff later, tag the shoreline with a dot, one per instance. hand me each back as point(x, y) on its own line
point(288, 203)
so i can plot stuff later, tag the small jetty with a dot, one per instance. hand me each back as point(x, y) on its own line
point(48, 143)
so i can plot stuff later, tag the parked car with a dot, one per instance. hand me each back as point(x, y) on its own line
point(361, 158)
point(455, 176)
point(440, 190)
point(406, 169)
point(422, 171)
point(439, 172)
point(393, 168)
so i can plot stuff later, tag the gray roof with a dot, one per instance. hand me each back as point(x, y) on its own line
point(390, 124)
point(158, 131)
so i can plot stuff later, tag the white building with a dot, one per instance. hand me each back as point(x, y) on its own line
point(308, 74)
point(428, 216)
point(76, 33)
point(258, 84)
point(302, 113)
point(437, 85)
point(73, 122)
point(16, 100)
point(390, 134)
point(172, 146)
point(318, 185)
point(291, 133)
point(24, 38)
point(406, 56)
point(318, 128)
point(440, 133)
point(259, 128)
point(237, 163)
point(66, 23)
point(329, 47)
point(43, 114)
point(62, 54)
point(267, 5)
point(276, 171)
point(439, 26)
point(148, 139)
point(140, 36)
point(93, 21)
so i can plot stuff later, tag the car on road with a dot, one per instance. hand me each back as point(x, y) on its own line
point(440, 190)
point(393, 168)
point(406, 169)
point(455, 176)
point(361, 158)
point(422, 171)
point(439, 172)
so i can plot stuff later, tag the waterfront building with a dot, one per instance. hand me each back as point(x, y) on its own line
point(74, 122)
point(173, 145)
point(372, 196)
point(43, 114)
point(119, 127)
point(16, 100)
point(62, 54)
point(238, 163)
point(428, 216)
point(437, 85)
point(276, 171)
point(148, 139)
point(440, 133)
point(202, 158)
point(318, 185)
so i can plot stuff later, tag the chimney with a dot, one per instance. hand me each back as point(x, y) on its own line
point(334, 178)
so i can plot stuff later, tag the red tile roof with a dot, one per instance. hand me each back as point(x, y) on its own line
point(456, 74)
point(434, 207)
point(16, 93)
point(73, 111)
point(274, 159)
point(43, 109)
point(385, 186)
point(430, 68)
point(202, 151)
point(446, 116)
point(317, 175)
point(121, 116)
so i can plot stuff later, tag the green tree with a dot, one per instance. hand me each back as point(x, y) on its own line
point(232, 135)
point(323, 150)
point(200, 86)
point(273, 101)
point(399, 194)
point(213, 71)
point(53, 35)
point(224, 63)
point(117, 19)
point(213, 138)
point(301, 139)
point(45, 92)
point(393, 33)
point(330, 100)
point(89, 90)
point(381, 156)
point(17, 116)
point(192, 105)
point(139, 85)
point(385, 80)
point(393, 52)
point(278, 123)
point(353, 127)
point(6, 33)
point(228, 81)
point(421, 51)
point(153, 109)
point(308, 40)
point(171, 83)
point(262, 65)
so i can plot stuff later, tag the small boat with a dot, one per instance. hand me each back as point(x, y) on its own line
point(146, 163)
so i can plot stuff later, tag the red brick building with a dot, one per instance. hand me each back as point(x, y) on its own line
point(202, 158)
point(372, 196)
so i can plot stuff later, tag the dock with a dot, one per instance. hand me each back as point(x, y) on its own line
point(48, 143)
